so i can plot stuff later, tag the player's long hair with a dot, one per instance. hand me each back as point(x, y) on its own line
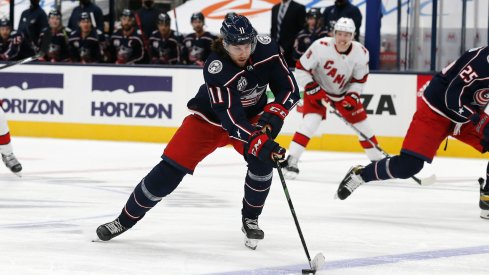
point(218, 47)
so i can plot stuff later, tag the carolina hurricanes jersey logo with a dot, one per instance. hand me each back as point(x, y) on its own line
point(481, 97)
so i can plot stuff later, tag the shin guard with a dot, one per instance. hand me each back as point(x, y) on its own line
point(159, 182)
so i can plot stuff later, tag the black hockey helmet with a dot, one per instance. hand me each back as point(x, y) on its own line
point(237, 30)
point(230, 14)
point(54, 13)
point(85, 16)
point(314, 12)
point(4, 22)
point(127, 13)
point(197, 16)
point(164, 18)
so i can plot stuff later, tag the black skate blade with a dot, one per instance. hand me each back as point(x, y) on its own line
point(308, 271)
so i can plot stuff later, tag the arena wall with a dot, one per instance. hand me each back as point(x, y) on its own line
point(148, 104)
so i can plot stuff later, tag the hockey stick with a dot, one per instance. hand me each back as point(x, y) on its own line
point(176, 21)
point(424, 181)
point(44, 47)
point(319, 259)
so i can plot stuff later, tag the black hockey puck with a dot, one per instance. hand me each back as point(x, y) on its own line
point(308, 271)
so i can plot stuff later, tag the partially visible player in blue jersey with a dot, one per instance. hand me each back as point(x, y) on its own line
point(453, 105)
point(230, 108)
point(310, 33)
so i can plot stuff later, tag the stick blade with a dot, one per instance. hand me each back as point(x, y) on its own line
point(429, 180)
point(318, 261)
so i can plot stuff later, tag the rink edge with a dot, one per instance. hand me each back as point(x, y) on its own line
point(328, 142)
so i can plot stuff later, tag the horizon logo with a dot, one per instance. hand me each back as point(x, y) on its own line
point(131, 110)
point(32, 106)
point(131, 84)
point(28, 81)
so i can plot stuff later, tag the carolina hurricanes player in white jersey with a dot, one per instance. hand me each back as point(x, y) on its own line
point(332, 70)
point(8, 156)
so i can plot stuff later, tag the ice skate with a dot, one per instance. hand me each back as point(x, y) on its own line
point(291, 171)
point(351, 182)
point(12, 163)
point(253, 233)
point(110, 230)
point(484, 200)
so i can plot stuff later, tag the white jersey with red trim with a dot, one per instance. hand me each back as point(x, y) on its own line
point(336, 73)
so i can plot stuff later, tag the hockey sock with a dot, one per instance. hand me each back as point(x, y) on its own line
point(159, 182)
point(372, 153)
point(257, 185)
point(301, 138)
point(5, 147)
point(402, 167)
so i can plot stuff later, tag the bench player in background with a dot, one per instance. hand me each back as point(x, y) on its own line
point(197, 45)
point(310, 33)
point(452, 105)
point(334, 70)
point(6, 150)
point(226, 110)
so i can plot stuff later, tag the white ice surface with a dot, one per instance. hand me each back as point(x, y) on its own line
point(49, 216)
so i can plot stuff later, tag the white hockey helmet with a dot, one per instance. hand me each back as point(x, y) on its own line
point(345, 24)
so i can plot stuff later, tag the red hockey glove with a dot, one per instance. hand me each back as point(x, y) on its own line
point(273, 118)
point(314, 94)
point(350, 101)
point(264, 148)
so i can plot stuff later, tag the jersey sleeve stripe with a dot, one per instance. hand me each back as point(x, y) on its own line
point(237, 125)
point(230, 99)
point(362, 80)
point(287, 97)
point(298, 65)
point(233, 78)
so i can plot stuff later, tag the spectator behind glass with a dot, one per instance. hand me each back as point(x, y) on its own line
point(58, 46)
point(126, 44)
point(13, 45)
point(197, 45)
point(32, 21)
point(93, 11)
point(342, 8)
point(147, 19)
point(86, 42)
point(288, 19)
point(309, 34)
point(165, 43)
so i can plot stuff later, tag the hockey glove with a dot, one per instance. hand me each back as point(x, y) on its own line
point(273, 118)
point(314, 94)
point(481, 123)
point(264, 148)
point(350, 101)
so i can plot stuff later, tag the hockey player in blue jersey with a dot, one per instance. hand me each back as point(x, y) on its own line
point(230, 108)
point(452, 105)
